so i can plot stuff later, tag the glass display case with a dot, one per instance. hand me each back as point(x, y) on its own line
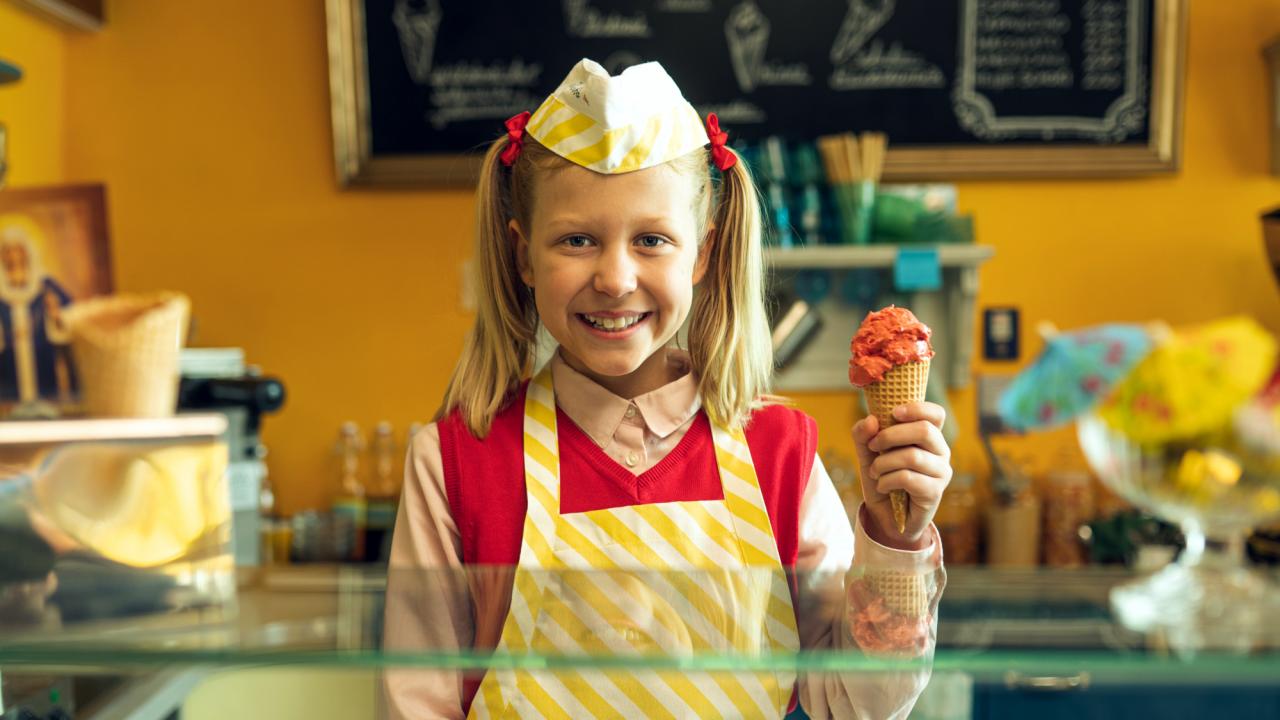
point(1035, 622)
point(1041, 637)
point(118, 599)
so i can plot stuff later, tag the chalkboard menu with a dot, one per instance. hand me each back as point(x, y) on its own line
point(963, 88)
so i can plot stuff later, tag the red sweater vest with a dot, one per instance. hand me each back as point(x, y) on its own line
point(484, 479)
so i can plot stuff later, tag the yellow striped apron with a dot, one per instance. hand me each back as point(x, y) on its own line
point(663, 579)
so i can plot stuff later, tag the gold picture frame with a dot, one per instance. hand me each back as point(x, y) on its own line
point(87, 15)
point(357, 167)
point(1272, 53)
point(349, 111)
point(1161, 154)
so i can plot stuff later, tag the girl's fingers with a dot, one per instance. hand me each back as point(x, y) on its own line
point(924, 435)
point(923, 489)
point(910, 458)
point(932, 413)
point(865, 430)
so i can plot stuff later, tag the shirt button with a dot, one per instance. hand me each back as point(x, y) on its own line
point(632, 459)
point(631, 411)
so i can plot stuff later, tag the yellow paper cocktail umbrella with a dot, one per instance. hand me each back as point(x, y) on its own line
point(1192, 382)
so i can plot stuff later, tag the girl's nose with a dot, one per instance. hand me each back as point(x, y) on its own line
point(615, 272)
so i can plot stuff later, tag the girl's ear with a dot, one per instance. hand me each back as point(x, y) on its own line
point(704, 255)
point(521, 243)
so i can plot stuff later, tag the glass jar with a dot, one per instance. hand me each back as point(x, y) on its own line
point(1068, 504)
point(959, 522)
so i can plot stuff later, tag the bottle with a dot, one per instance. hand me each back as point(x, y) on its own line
point(773, 189)
point(350, 505)
point(274, 534)
point(384, 493)
point(807, 179)
point(266, 491)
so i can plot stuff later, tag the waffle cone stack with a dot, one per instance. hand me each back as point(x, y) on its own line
point(127, 349)
point(901, 385)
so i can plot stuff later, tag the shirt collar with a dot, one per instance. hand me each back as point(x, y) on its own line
point(599, 412)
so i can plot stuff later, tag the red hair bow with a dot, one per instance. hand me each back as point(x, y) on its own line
point(721, 155)
point(515, 135)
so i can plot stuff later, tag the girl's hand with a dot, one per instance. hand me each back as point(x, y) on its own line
point(911, 456)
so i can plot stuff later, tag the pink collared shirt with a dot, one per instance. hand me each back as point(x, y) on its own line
point(637, 433)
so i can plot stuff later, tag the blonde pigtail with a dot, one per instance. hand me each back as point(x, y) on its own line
point(499, 350)
point(729, 340)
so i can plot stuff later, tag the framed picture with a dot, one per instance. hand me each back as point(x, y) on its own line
point(1272, 51)
point(77, 14)
point(53, 252)
point(963, 88)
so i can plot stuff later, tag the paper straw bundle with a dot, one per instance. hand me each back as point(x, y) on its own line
point(853, 165)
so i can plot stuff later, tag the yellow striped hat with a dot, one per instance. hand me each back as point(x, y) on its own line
point(617, 124)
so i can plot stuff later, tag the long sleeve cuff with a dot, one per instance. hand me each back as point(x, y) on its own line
point(871, 554)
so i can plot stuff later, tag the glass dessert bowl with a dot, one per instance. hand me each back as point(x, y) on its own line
point(1217, 487)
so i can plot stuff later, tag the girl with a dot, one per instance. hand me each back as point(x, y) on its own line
point(598, 216)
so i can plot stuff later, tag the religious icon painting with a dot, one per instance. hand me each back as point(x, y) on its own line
point(53, 252)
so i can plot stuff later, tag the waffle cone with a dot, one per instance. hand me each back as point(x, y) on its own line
point(126, 349)
point(901, 385)
point(904, 593)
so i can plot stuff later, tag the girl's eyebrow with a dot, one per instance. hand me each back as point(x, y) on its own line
point(573, 222)
point(566, 221)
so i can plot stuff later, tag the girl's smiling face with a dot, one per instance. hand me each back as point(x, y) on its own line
point(612, 260)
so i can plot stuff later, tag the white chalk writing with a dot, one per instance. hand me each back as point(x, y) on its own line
point(1014, 46)
point(1104, 39)
point(515, 72)
point(477, 90)
point(684, 6)
point(895, 67)
point(747, 34)
point(477, 103)
point(586, 21)
point(1020, 45)
point(862, 61)
point(738, 111)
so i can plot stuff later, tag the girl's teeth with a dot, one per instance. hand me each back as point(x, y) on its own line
point(613, 323)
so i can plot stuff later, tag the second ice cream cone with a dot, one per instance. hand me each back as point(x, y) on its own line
point(901, 385)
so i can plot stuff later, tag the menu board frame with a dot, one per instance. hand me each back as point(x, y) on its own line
point(1272, 53)
point(357, 165)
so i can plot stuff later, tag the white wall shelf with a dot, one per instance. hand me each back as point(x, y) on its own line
point(871, 256)
point(949, 311)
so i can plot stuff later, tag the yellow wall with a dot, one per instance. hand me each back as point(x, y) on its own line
point(209, 123)
point(34, 109)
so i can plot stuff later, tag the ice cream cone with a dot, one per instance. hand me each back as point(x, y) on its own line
point(902, 384)
point(890, 362)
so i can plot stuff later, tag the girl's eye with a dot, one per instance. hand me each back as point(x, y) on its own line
point(652, 241)
point(577, 241)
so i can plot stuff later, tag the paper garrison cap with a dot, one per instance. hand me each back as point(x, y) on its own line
point(617, 124)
